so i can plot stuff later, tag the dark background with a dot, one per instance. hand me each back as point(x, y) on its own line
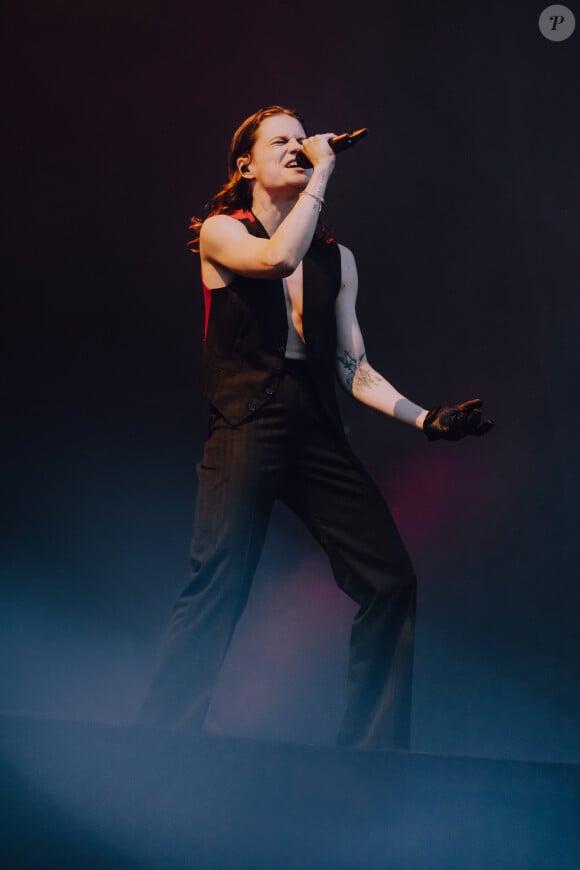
point(462, 207)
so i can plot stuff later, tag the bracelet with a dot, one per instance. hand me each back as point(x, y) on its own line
point(319, 199)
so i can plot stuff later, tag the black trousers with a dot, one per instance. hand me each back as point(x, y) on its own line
point(290, 450)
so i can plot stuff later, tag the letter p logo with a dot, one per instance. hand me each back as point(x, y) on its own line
point(557, 23)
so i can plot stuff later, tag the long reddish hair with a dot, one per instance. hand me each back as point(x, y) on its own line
point(235, 194)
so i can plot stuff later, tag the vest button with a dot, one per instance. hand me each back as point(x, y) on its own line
point(251, 406)
point(281, 350)
point(269, 391)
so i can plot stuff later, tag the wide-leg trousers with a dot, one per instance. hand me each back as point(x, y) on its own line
point(290, 450)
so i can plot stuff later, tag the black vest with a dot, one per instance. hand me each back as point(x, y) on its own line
point(247, 330)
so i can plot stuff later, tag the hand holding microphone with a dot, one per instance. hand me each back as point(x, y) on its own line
point(337, 143)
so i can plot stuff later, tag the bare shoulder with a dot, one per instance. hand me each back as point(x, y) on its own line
point(344, 251)
point(348, 267)
point(220, 225)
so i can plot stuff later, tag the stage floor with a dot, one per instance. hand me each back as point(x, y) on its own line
point(87, 795)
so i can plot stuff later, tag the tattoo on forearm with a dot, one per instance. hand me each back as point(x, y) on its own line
point(349, 364)
point(357, 371)
point(365, 376)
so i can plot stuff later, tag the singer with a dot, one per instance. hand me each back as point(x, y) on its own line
point(280, 331)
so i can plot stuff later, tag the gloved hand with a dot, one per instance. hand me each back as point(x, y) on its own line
point(452, 422)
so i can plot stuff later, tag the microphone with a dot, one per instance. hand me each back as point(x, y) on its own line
point(337, 143)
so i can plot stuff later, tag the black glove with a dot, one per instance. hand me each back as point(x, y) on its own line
point(452, 422)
